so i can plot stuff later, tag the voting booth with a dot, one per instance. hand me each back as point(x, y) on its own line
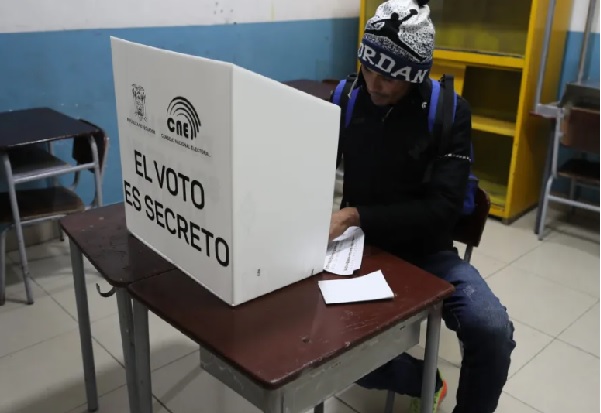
point(227, 174)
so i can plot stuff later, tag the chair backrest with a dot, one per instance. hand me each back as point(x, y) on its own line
point(82, 151)
point(469, 229)
point(581, 129)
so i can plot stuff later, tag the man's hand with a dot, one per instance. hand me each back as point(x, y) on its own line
point(343, 220)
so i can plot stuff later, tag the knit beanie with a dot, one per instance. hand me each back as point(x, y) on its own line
point(399, 40)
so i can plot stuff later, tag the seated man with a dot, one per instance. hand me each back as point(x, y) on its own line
point(387, 150)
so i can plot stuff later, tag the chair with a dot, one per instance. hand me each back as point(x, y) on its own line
point(576, 128)
point(53, 202)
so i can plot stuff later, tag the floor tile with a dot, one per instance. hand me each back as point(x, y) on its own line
point(486, 265)
point(52, 270)
point(509, 404)
point(542, 304)
point(585, 244)
point(582, 227)
point(529, 342)
point(15, 290)
point(48, 377)
point(584, 333)
point(185, 388)
point(99, 307)
point(55, 275)
point(40, 251)
point(116, 401)
point(555, 215)
point(543, 261)
point(560, 379)
point(166, 343)
point(506, 243)
point(32, 324)
point(367, 401)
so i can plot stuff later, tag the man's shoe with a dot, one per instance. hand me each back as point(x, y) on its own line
point(415, 405)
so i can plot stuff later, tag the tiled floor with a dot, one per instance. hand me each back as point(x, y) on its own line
point(551, 290)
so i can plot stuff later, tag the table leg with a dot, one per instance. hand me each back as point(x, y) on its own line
point(142, 355)
point(546, 173)
point(12, 194)
point(3, 265)
point(85, 330)
point(126, 323)
point(431, 358)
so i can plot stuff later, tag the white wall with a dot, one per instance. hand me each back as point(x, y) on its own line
point(45, 15)
point(579, 13)
point(42, 15)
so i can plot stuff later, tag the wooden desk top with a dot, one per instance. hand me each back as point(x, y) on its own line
point(274, 338)
point(312, 87)
point(118, 256)
point(29, 126)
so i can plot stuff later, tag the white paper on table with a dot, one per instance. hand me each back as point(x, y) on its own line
point(369, 287)
point(345, 253)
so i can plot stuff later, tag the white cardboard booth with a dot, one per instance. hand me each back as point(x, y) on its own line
point(227, 174)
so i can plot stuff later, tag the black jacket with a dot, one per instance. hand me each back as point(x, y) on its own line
point(385, 154)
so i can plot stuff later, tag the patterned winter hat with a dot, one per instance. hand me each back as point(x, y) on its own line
point(399, 40)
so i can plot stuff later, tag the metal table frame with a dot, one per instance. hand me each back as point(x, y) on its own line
point(310, 389)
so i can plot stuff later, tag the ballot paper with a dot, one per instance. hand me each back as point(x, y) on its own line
point(368, 287)
point(344, 254)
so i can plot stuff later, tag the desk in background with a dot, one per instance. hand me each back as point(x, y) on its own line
point(24, 161)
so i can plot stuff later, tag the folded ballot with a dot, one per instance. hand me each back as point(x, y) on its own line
point(368, 287)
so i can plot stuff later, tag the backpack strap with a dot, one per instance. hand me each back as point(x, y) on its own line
point(449, 100)
point(433, 108)
point(440, 118)
point(351, 105)
point(346, 98)
point(337, 95)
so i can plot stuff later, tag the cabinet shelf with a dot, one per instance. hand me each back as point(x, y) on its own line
point(496, 191)
point(480, 59)
point(491, 125)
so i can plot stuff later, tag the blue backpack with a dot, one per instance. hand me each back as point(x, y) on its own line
point(438, 117)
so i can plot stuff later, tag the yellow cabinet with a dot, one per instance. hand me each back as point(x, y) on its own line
point(493, 49)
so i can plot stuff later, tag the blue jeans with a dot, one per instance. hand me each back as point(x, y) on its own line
point(482, 325)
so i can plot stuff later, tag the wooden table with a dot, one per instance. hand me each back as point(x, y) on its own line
point(19, 131)
point(287, 351)
point(287, 346)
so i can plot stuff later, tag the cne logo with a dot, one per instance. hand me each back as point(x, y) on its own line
point(182, 118)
